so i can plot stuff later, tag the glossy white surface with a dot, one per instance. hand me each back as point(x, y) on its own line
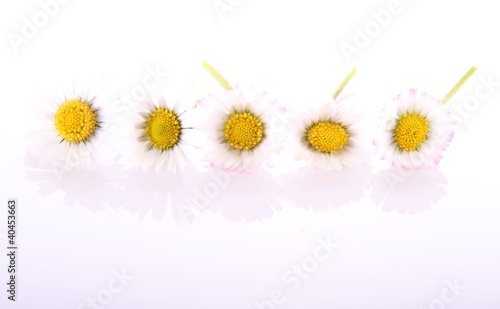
point(78, 232)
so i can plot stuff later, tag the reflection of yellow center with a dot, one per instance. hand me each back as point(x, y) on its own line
point(76, 121)
point(327, 136)
point(410, 131)
point(163, 129)
point(243, 131)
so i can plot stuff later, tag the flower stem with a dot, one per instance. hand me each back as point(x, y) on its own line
point(222, 81)
point(344, 82)
point(459, 85)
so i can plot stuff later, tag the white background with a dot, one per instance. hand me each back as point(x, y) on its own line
point(398, 255)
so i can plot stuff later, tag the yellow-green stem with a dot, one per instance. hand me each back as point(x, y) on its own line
point(459, 85)
point(218, 77)
point(344, 82)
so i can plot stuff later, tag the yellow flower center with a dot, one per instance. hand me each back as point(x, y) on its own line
point(410, 131)
point(163, 129)
point(76, 121)
point(327, 136)
point(243, 131)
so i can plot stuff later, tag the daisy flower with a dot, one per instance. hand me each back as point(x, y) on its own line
point(240, 127)
point(415, 132)
point(72, 134)
point(329, 136)
point(163, 138)
point(415, 128)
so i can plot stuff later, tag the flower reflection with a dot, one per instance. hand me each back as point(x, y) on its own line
point(408, 190)
point(312, 188)
point(90, 188)
point(148, 191)
point(238, 197)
